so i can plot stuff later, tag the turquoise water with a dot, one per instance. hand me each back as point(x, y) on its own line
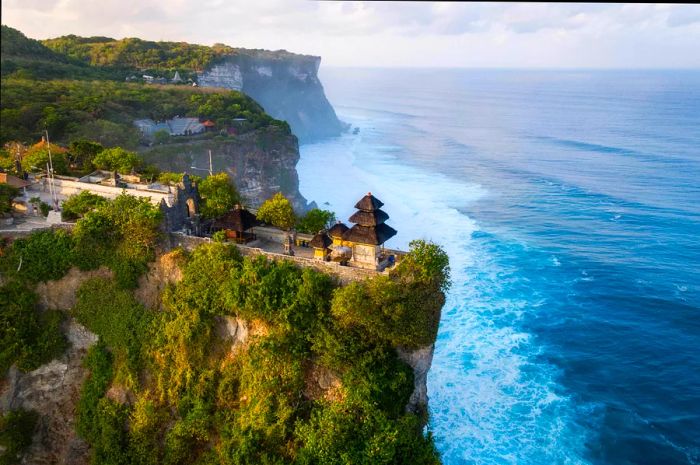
point(569, 203)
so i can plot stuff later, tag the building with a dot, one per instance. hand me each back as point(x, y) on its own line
point(369, 233)
point(321, 244)
point(175, 127)
point(336, 233)
point(179, 203)
point(237, 224)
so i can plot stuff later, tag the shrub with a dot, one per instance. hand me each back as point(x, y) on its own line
point(277, 211)
point(42, 256)
point(219, 236)
point(219, 195)
point(16, 431)
point(315, 220)
point(77, 205)
point(117, 159)
point(7, 193)
point(122, 323)
point(349, 434)
point(403, 308)
point(99, 361)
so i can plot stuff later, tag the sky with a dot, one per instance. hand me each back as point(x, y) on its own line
point(393, 34)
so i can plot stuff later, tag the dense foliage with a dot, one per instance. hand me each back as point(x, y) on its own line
point(219, 195)
point(315, 220)
point(196, 401)
point(78, 205)
point(7, 193)
point(16, 429)
point(180, 393)
point(137, 53)
point(28, 337)
point(104, 111)
point(277, 211)
point(117, 159)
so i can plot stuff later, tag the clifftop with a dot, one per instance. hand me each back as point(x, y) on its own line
point(286, 84)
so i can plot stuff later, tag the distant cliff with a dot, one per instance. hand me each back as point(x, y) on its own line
point(285, 84)
point(287, 87)
point(261, 163)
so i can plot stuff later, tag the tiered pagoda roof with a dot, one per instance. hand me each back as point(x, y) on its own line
point(369, 219)
point(321, 240)
point(337, 230)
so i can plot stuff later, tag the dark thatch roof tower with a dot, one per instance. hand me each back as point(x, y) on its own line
point(369, 228)
point(239, 220)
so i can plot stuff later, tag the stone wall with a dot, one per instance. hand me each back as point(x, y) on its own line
point(345, 274)
point(67, 188)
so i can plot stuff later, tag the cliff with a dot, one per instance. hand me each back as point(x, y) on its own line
point(54, 389)
point(261, 163)
point(286, 85)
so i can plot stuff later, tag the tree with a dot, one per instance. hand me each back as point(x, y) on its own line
point(219, 195)
point(315, 220)
point(37, 158)
point(7, 193)
point(117, 159)
point(82, 152)
point(76, 206)
point(277, 211)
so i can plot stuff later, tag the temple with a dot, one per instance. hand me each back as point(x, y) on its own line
point(369, 233)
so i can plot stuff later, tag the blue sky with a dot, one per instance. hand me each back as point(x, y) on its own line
point(387, 34)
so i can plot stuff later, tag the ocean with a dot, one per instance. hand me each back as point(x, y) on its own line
point(569, 204)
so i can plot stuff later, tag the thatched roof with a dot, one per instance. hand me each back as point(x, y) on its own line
point(239, 219)
point(372, 218)
point(375, 235)
point(369, 203)
point(321, 241)
point(338, 230)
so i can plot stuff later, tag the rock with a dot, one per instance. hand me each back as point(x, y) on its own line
point(60, 294)
point(53, 391)
point(164, 270)
point(321, 382)
point(419, 360)
point(285, 84)
point(232, 330)
point(260, 163)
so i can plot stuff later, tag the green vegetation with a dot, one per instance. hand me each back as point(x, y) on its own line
point(78, 205)
point(28, 337)
point(16, 430)
point(82, 152)
point(137, 53)
point(117, 159)
point(104, 111)
point(193, 400)
point(277, 211)
point(219, 195)
point(28, 58)
point(7, 193)
point(121, 234)
point(315, 220)
point(43, 256)
point(122, 328)
point(36, 158)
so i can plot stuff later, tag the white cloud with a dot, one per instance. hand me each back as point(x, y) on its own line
point(392, 33)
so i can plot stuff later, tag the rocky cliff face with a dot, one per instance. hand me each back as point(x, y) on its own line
point(285, 84)
point(261, 163)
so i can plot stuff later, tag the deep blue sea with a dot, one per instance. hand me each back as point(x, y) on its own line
point(569, 203)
